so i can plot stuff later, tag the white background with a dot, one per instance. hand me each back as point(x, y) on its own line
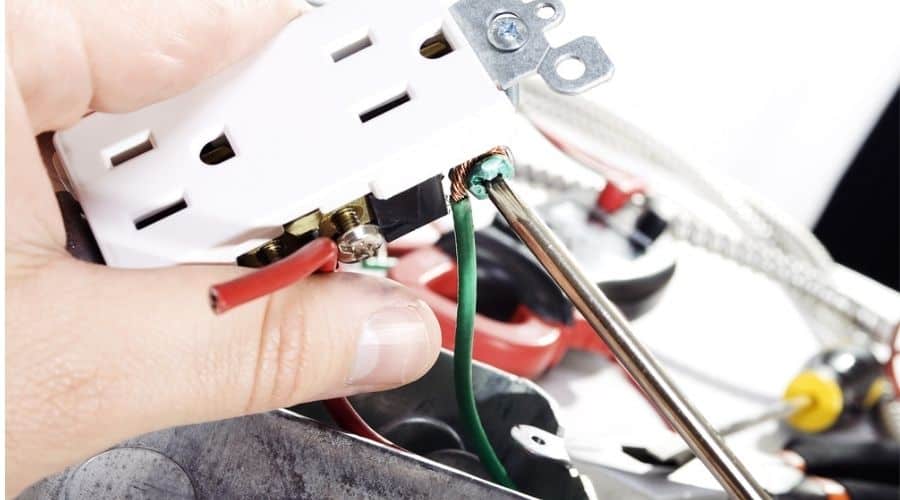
point(778, 94)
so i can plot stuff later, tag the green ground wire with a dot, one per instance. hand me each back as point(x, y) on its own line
point(462, 354)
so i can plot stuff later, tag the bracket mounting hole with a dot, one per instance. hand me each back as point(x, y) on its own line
point(570, 68)
point(545, 11)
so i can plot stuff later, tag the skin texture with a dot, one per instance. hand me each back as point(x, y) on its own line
point(96, 355)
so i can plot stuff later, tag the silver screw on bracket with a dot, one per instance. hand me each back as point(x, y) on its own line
point(508, 36)
point(507, 32)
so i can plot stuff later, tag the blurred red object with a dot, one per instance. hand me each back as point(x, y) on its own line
point(525, 345)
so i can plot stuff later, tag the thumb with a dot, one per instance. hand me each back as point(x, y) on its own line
point(139, 350)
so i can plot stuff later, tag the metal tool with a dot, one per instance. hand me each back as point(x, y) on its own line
point(613, 328)
point(781, 409)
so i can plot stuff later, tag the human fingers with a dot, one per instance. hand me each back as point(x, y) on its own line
point(72, 56)
point(97, 355)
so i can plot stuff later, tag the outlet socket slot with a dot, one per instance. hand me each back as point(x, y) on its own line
point(436, 46)
point(384, 107)
point(130, 148)
point(160, 214)
point(352, 48)
point(217, 150)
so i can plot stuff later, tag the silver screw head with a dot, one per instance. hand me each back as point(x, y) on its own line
point(360, 243)
point(507, 32)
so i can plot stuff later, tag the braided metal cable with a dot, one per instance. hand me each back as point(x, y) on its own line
point(554, 183)
point(595, 121)
point(786, 269)
point(758, 218)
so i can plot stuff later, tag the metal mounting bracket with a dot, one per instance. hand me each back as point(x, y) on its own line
point(508, 37)
point(541, 443)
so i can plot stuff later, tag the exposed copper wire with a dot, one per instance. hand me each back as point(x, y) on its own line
point(459, 175)
point(458, 189)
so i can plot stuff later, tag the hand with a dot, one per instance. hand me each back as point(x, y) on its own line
point(96, 355)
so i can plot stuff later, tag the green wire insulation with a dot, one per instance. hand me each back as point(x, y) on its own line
point(462, 354)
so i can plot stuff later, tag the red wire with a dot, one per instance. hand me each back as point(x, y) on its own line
point(894, 361)
point(346, 417)
point(318, 255)
point(622, 178)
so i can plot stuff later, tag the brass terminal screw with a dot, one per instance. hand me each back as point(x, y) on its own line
point(345, 219)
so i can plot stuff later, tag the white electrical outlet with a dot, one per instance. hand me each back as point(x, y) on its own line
point(310, 123)
point(339, 105)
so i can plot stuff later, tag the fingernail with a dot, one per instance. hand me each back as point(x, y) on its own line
point(391, 346)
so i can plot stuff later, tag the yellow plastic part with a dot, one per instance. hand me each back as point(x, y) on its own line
point(875, 393)
point(827, 401)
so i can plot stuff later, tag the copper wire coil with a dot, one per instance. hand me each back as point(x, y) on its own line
point(459, 175)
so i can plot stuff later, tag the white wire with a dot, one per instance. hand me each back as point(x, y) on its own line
point(790, 233)
point(789, 270)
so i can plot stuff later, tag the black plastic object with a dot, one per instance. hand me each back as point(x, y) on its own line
point(421, 435)
point(854, 490)
point(637, 294)
point(410, 209)
point(862, 490)
point(508, 275)
point(627, 254)
point(651, 224)
point(877, 461)
point(80, 242)
point(642, 454)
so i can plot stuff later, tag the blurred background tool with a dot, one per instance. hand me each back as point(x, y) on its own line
point(840, 384)
point(835, 387)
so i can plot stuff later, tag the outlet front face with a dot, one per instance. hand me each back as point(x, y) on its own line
point(357, 97)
